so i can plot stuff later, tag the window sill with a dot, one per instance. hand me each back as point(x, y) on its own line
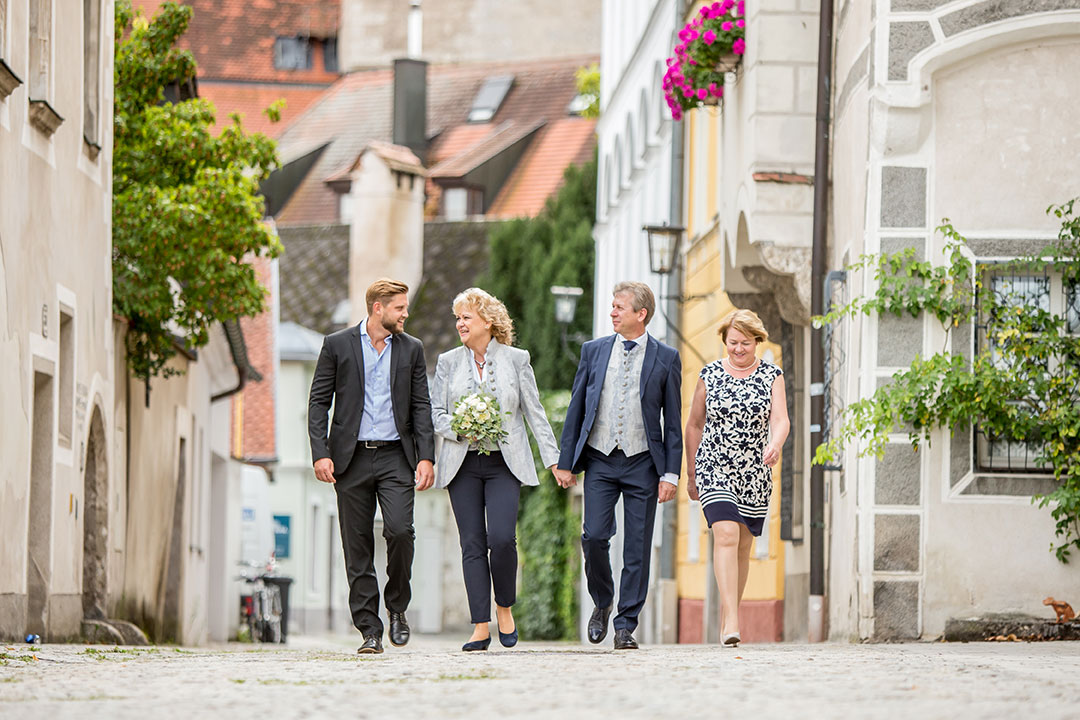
point(8, 80)
point(92, 149)
point(44, 118)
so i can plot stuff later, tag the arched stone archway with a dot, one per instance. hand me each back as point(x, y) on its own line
point(95, 522)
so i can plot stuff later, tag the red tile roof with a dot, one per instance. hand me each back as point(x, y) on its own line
point(539, 173)
point(250, 101)
point(253, 407)
point(358, 109)
point(234, 39)
point(503, 137)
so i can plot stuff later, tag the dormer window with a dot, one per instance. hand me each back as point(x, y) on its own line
point(292, 53)
point(490, 98)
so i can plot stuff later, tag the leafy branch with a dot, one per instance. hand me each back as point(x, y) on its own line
point(1023, 384)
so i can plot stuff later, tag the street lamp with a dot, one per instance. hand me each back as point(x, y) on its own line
point(663, 246)
point(566, 299)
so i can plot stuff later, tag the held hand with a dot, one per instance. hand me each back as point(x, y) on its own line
point(565, 478)
point(425, 475)
point(667, 491)
point(771, 455)
point(691, 489)
point(324, 470)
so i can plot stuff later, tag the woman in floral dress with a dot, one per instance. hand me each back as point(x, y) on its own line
point(738, 423)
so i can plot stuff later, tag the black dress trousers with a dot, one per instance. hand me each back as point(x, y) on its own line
point(380, 475)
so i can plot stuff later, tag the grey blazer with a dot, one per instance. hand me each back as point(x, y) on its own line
point(515, 389)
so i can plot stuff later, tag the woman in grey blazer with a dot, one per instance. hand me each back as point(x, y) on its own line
point(484, 489)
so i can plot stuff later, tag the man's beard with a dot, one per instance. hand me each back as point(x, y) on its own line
point(393, 328)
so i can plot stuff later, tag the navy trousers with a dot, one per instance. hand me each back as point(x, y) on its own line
point(484, 495)
point(607, 477)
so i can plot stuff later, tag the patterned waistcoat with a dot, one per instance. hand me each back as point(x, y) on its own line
point(618, 418)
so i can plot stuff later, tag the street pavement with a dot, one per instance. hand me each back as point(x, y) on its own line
point(432, 678)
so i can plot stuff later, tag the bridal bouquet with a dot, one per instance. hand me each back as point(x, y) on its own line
point(479, 418)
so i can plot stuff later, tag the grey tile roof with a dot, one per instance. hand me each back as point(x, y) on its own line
point(455, 257)
point(313, 274)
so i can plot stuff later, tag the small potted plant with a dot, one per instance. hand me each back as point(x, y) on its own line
point(710, 45)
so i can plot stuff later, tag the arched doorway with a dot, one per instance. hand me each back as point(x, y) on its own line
point(95, 522)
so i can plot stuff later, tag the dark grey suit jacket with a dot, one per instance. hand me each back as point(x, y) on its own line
point(339, 378)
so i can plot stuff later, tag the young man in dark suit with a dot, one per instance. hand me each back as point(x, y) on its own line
point(380, 447)
point(623, 429)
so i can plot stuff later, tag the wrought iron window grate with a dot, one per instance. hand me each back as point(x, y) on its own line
point(1010, 290)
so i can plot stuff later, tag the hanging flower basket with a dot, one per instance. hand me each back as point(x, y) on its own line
point(711, 44)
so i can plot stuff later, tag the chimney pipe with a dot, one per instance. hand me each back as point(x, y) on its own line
point(416, 30)
point(410, 106)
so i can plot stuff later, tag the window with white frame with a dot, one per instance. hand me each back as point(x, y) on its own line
point(91, 63)
point(40, 48)
point(1042, 290)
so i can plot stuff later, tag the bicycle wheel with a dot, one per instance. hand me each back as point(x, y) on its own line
point(253, 623)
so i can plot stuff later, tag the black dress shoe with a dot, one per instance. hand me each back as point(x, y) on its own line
point(598, 624)
point(624, 640)
point(372, 646)
point(399, 629)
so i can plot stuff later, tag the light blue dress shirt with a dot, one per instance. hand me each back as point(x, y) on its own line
point(377, 421)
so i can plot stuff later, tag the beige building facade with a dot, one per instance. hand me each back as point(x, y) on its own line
point(963, 110)
point(58, 496)
point(375, 32)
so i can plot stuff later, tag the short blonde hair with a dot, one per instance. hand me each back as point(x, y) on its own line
point(490, 309)
point(641, 296)
point(382, 290)
point(745, 321)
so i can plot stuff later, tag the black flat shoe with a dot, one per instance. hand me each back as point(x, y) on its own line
point(372, 646)
point(399, 629)
point(598, 624)
point(508, 639)
point(476, 645)
point(624, 640)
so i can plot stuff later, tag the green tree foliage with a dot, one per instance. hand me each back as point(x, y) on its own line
point(529, 255)
point(186, 208)
point(1023, 385)
point(588, 87)
point(550, 529)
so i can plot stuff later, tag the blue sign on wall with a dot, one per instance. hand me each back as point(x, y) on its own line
point(281, 536)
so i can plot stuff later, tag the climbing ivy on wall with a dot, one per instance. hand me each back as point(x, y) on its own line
point(1022, 385)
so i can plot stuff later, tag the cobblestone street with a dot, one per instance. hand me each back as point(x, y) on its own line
point(430, 678)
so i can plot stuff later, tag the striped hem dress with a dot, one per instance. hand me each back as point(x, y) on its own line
point(733, 481)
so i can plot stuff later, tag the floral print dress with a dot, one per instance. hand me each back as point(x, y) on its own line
point(732, 479)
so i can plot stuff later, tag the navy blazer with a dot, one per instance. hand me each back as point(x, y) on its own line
point(661, 403)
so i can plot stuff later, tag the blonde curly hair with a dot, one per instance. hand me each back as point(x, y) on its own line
point(490, 309)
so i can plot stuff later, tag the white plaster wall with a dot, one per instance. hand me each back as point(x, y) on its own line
point(55, 229)
point(386, 237)
point(1007, 135)
point(637, 39)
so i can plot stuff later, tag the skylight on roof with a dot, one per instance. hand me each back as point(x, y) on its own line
point(491, 95)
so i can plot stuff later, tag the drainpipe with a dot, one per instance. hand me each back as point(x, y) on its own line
point(816, 629)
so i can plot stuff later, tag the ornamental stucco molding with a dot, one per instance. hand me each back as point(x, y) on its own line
point(785, 272)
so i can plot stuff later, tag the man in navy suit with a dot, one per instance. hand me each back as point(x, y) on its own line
point(623, 429)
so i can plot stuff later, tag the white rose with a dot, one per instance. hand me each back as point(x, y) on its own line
point(482, 406)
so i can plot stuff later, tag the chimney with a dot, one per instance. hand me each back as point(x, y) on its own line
point(410, 104)
point(416, 30)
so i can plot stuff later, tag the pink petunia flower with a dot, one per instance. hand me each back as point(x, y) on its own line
point(715, 90)
point(688, 91)
point(727, 25)
point(702, 94)
point(709, 37)
point(740, 8)
point(740, 23)
point(739, 46)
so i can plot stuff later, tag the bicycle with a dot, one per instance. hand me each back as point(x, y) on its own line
point(261, 609)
